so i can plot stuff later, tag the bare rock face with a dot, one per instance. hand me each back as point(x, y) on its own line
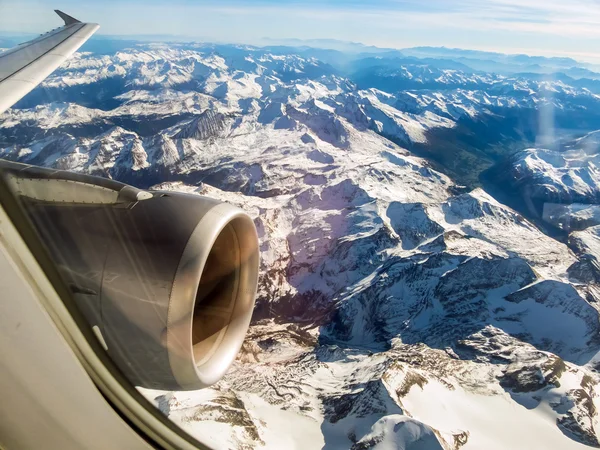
point(209, 124)
point(412, 224)
point(373, 398)
point(580, 420)
point(528, 378)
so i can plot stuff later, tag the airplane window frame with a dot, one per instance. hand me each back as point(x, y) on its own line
point(137, 411)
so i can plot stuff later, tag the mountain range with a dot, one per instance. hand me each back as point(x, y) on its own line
point(429, 233)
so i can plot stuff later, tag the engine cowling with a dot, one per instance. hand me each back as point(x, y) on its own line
point(166, 280)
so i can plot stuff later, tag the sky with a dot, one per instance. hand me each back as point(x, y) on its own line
point(540, 27)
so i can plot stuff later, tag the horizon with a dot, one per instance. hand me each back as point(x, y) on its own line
point(531, 27)
point(264, 43)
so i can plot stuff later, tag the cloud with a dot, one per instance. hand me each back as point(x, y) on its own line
point(580, 18)
point(544, 26)
point(572, 18)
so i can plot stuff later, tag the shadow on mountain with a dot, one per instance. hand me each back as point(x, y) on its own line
point(476, 143)
point(472, 305)
point(369, 416)
point(102, 96)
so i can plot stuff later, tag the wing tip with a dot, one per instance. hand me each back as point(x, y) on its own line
point(67, 18)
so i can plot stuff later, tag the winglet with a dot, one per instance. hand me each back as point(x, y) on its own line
point(67, 18)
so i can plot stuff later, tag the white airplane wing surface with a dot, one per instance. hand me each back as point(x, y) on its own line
point(22, 68)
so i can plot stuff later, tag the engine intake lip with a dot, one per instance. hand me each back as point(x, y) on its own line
point(207, 320)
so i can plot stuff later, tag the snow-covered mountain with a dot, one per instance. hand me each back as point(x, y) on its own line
point(459, 119)
point(397, 307)
point(559, 186)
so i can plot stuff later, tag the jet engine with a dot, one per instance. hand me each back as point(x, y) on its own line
point(166, 280)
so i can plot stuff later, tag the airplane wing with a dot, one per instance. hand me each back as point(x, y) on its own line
point(22, 68)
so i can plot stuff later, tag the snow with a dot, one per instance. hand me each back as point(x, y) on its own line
point(396, 432)
point(555, 317)
point(477, 214)
point(497, 422)
point(278, 429)
point(571, 216)
point(572, 173)
point(284, 429)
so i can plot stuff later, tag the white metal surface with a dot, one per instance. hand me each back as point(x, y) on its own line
point(25, 66)
point(47, 400)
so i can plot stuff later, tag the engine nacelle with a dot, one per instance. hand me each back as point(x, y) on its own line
point(167, 280)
